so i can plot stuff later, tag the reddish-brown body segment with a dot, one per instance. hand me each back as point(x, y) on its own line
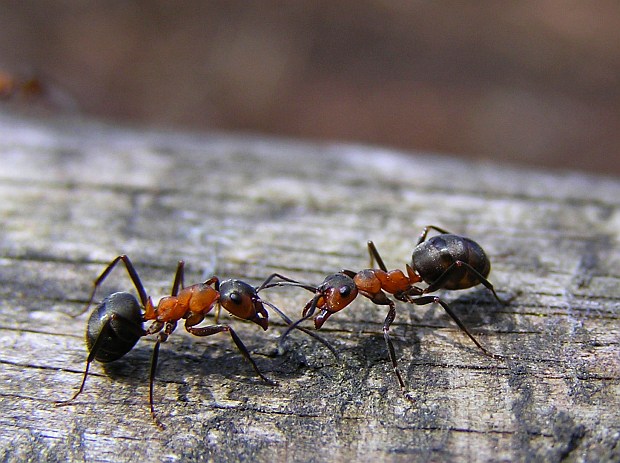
point(191, 303)
point(333, 301)
point(373, 281)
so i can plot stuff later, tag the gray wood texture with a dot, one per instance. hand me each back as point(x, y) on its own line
point(74, 194)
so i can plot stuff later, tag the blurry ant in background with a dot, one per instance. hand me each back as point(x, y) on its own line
point(12, 86)
point(116, 324)
point(444, 261)
point(35, 91)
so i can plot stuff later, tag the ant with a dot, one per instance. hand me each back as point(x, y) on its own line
point(116, 324)
point(444, 261)
point(13, 86)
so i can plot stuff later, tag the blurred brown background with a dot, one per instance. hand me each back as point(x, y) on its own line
point(533, 82)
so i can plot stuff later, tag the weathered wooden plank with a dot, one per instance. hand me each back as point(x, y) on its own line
point(73, 195)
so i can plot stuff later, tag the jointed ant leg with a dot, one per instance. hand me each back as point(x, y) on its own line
point(438, 283)
point(214, 329)
point(101, 338)
point(427, 229)
point(434, 299)
point(374, 255)
point(178, 279)
point(307, 313)
point(133, 274)
point(169, 327)
point(386, 328)
point(289, 322)
point(154, 358)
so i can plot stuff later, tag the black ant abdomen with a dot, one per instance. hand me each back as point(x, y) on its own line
point(442, 253)
point(114, 327)
point(448, 261)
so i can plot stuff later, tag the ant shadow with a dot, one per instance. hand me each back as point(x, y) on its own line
point(474, 308)
point(371, 349)
point(299, 355)
point(185, 363)
point(477, 309)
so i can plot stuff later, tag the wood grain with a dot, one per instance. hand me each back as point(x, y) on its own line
point(75, 194)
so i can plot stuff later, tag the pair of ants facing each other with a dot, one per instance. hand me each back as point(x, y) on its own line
point(444, 261)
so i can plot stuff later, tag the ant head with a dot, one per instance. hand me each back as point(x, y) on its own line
point(337, 291)
point(241, 300)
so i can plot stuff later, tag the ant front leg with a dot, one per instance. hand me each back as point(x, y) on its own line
point(214, 329)
point(289, 322)
point(382, 299)
point(307, 313)
point(423, 300)
point(169, 327)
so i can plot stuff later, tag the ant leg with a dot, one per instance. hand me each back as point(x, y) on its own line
point(133, 274)
point(101, 338)
point(214, 329)
point(216, 315)
point(427, 229)
point(161, 337)
point(154, 358)
point(374, 255)
point(438, 283)
point(91, 356)
point(311, 306)
point(391, 315)
point(381, 298)
point(289, 322)
point(306, 314)
point(178, 278)
point(215, 281)
point(434, 299)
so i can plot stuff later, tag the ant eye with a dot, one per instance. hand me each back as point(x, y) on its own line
point(345, 291)
point(236, 298)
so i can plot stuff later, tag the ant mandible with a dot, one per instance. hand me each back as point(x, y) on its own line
point(116, 324)
point(444, 261)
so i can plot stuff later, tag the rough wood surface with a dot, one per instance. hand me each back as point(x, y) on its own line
point(73, 195)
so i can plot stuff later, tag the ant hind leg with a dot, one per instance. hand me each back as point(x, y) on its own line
point(423, 300)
